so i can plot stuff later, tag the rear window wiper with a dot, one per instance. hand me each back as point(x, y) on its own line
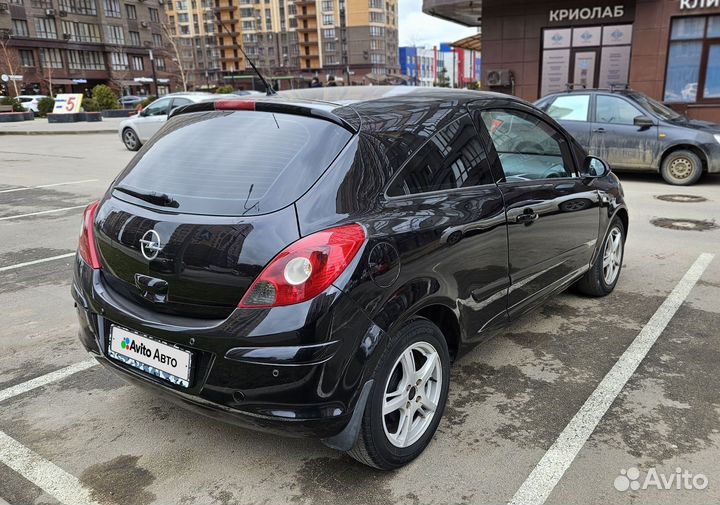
point(161, 199)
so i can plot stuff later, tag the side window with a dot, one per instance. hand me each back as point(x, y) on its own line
point(177, 102)
point(528, 147)
point(570, 108)
point(453, 158)
point(614, 110)
point(158, 108)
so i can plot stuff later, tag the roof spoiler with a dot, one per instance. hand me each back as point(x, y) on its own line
point(279, 107)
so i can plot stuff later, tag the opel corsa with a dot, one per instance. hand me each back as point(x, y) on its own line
point(311, 264)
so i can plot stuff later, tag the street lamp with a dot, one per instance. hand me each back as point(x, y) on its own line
point(152, 64)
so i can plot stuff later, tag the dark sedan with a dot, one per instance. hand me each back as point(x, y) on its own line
point(311, 264)
point(633, 132)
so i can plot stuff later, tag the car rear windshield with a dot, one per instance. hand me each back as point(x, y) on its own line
point(233, 163)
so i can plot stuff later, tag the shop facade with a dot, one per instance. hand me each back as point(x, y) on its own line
point(668, 49)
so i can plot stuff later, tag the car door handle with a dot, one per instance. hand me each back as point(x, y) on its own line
point(528, 216)
point(599, 130)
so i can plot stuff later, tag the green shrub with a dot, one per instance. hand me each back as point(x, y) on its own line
point(225, 89)
point(150, 99)
point(45, 106)
point(90, 105)
point(104, 97)
point(16, 105)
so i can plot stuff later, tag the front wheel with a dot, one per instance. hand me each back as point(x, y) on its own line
point(604, 273)
point(408, 397)
point(681, 168)
point(130, 139)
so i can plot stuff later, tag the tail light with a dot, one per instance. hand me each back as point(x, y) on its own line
point(87, 248)
point(306, 268)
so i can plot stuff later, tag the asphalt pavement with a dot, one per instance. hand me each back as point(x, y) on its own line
point(579, 402)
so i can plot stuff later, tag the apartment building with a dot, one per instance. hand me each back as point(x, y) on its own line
point(72, 45)
point(193, 29)
point(347, 39)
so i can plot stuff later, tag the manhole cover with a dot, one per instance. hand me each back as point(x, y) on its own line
point(682, 198)
point(683, 224)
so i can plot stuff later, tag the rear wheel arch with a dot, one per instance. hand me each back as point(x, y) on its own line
point(622, 214)
point(447, 321)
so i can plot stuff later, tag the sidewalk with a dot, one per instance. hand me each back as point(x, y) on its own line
point(40, 126)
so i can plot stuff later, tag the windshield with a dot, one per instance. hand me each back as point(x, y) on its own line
point(660, 110)
point(241, 163)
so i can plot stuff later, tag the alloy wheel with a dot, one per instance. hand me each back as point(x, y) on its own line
point(411, 394)
point(130, 139)
point(612, 256)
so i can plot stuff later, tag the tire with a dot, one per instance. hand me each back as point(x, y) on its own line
point(681, 168)
point(130, 139)
point(380, 442)
point(596, 281)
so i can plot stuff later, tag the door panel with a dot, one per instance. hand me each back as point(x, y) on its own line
point(617, 140)
point(152, 119)
point(553, 217)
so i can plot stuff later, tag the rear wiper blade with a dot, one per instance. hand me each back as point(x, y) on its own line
point(150, 196)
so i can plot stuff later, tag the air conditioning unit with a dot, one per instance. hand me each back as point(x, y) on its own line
point(63, 14)
point(147, 43)
point(499, 78)
point(50, 13)
point(67, 36)
point(4, 7)
point(144, 24)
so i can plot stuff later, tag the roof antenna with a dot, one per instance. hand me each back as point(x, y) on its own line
point(268, 89)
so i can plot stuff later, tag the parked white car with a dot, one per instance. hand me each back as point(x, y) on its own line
point(137, 129)
point(30, 102)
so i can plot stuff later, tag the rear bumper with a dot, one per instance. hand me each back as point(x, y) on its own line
point(300, 375)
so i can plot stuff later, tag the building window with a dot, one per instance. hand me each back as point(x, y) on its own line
point(119, 61)
point(41, 4)
point(20, 28)
point(85, 60)
point(157, 40)
point(135, 38)
point(131, 11)
point(50, 58)
point(16, 2)
point(85, 7)
point(45, 28)
point(138, 63)
point(82, 32)
point(328, 19)
point(375, 4)
point(377, 17)
point(154, 15)
point(160, 63)
point(693, 69)
point(377, 45)
point(27, 59)
point(180, 5)
point(329, 33)
point(115, 34)
point(112, 8)
point(331, 59)
point(377, 31)
point(330, 47)
point(327, 5)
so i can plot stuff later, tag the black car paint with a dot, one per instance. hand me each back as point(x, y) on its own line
point(452, 256)
point(640, 148)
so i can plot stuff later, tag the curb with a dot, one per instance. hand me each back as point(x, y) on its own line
point(76, 132)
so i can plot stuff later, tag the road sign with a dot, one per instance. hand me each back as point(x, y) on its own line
point(67, 103)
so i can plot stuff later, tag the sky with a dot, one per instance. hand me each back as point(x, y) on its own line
point(419, 29)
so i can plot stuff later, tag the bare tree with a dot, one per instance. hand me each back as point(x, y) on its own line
point(47, 77)
point(10, 62)
point(175, 51)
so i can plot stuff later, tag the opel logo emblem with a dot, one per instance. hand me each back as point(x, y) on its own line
point(150, 245)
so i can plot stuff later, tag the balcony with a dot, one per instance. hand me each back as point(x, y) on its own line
point(307, 15)
point(224, 8)
point(232, 59)
point(300, 3)
point(307, 29)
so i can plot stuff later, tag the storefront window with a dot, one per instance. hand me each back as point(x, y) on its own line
point(693, 69)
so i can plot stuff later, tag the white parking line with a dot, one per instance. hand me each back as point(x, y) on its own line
point(42, 212)
point(47, 185)
point(47, 476)
point(35, 262)
point(46, 379)
point(548, 472)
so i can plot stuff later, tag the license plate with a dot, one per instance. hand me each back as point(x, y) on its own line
point(140, 351)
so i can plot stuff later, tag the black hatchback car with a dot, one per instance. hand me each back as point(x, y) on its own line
point(311, 264)
point(633, 132)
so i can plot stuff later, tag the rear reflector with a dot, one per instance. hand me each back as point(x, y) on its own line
point(235, 105)
point(87, 248)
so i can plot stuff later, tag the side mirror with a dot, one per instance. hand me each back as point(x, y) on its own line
point(643, 122)
point(594, 167)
